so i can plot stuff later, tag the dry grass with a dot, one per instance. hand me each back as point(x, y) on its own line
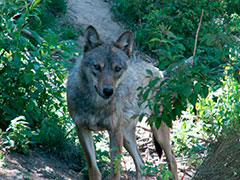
point(223, 160)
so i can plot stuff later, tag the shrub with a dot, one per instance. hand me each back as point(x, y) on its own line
point(167, 30)
point(20, 137)
point(32, 74)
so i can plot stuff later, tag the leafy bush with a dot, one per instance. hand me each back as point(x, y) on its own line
point(167, 30)
point(2, 159)
point(203, 91)
point(208, 134)
point(32, 74)
point(20, 136)
point(220, 111)
point(160, 172)
point(220, 114)
point(53, 16)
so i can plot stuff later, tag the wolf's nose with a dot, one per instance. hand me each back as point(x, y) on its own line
point(108, 92)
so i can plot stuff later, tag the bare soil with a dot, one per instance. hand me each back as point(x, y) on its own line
point(38, 164)
point(96, 13)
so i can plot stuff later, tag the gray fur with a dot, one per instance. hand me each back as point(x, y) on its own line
point(112, 67)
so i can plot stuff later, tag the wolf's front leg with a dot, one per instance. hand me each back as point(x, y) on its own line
point(129, 141)
point(116, 143)
point(86, 140)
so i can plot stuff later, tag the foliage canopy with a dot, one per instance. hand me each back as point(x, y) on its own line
point(167, 29)
point(32, 71)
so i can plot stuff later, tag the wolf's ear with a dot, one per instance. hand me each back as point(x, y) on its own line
point(125, 42)
point(92, 39)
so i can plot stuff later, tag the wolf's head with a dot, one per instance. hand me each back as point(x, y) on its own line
point(105, 64)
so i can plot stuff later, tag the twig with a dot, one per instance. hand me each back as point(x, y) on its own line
point(189, 60)
point(2, 52)
point(185, 172)
point(167, 74)
point(139, 13)
point(146, 129)
point(145, 143)
point(196, 36)
point(29, 34)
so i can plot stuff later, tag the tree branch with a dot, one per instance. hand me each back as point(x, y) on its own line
point(29, 34)
point(187, 61)
point(196, 37)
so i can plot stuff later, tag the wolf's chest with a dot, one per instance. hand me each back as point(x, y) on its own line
point(99, 119)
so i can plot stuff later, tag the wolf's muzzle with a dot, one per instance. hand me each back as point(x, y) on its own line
point(108, 92)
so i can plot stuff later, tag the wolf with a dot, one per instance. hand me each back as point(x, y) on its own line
point(102, 95)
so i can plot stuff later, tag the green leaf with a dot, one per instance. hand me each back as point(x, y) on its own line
point(139, 88)
point(155, 40)
point(184, 125)
point(36, 36)
point(204, 91)
point(181, 46)
point(28, 78)
point(36, 17)
point(145, 94)
point(167, 119)
point(152, 83)
point(134, 116)
point(20, 21)
point(34, 3)
point(170, 34)
point(178, 107)
point(149, 72)
point(165, 81)
point(197, 87)
point(193, 98)
point(187, 91)
point(156, 109)
point(211, 40)
point(205, 37)
point(1, 155)
point(158, 122)
point(5, 95)
point(224, 37)
point(151, 119)
point(26, 5)
point(141, 117)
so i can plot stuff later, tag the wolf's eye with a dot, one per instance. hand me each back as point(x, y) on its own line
point(117, 69)
point(97, 67)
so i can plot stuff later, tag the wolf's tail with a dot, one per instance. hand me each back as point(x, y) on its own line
point(158, 147)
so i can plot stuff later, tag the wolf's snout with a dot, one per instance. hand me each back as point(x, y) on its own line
point(108, 92)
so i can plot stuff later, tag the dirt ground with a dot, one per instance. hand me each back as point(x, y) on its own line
point(40, 165)
point(96, 13)
point(37, 165)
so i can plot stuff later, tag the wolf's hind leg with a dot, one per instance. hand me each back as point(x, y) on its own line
point(162, 137)
point(129, 140)
point(86, 140)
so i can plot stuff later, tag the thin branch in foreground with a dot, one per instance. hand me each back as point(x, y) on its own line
point(189, 60)
point(196, 36)
point(167, 74)
point(29, 34)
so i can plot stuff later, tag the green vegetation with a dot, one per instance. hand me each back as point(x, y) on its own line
point(203, 93)
point(167, 30)
point(220, 115)
point(37, 43)
point(32, 73)
point(160, 172)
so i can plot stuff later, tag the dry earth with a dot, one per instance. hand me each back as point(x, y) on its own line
point(96, 13)
point(38, 165)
